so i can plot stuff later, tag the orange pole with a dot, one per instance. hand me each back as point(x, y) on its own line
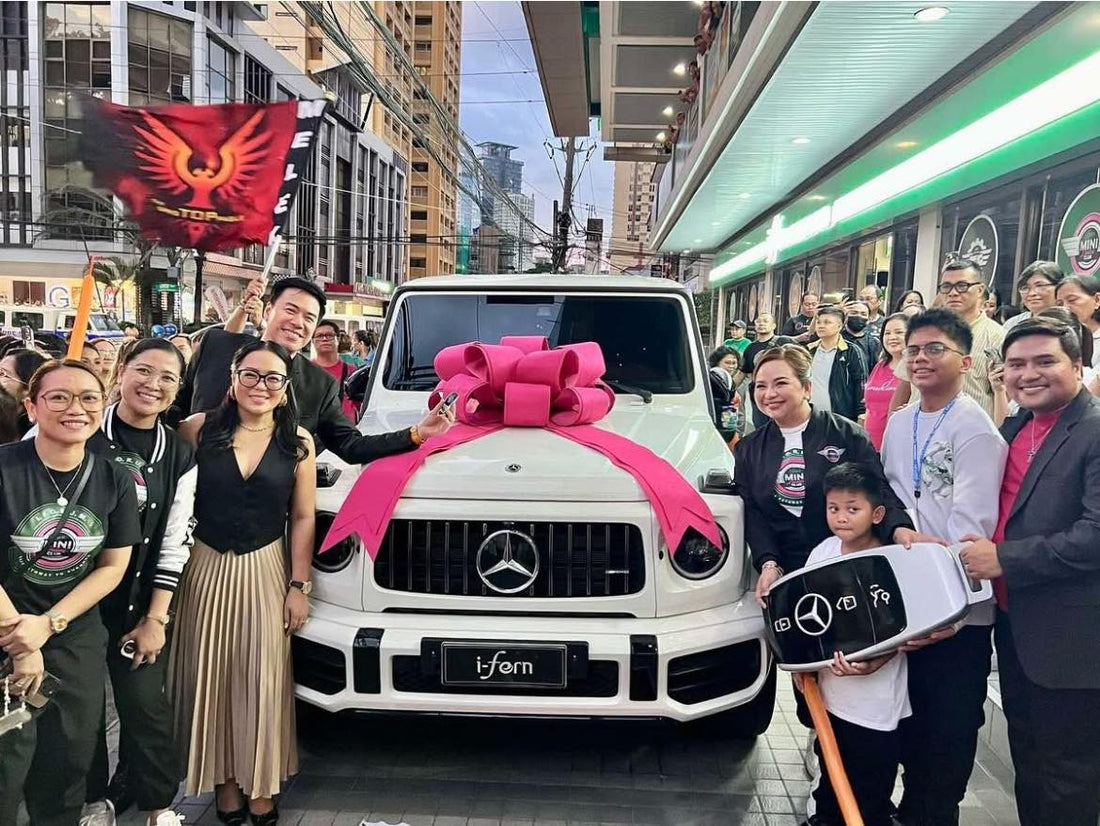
point(830, 753)
point(83, 314)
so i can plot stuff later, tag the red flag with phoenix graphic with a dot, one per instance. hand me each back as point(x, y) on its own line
point(208, 177)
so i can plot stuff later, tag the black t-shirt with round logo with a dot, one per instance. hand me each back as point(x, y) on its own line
point(105, 516)
point(138, 446)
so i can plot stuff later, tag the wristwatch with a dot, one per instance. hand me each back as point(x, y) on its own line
point(771, 563)
point(163, 619)
point(58, 622)
point(305, 587)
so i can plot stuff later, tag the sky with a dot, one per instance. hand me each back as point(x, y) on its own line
point(498, 65)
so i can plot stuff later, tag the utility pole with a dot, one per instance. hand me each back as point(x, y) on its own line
point(565, 216)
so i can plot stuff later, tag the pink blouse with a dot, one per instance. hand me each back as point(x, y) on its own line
point(877, 393)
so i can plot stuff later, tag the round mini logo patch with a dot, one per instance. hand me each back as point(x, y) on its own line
point(69, 556)
point(790, 482)
point(136, 467)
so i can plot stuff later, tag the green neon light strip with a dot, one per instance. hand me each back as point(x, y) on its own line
point(983, 150)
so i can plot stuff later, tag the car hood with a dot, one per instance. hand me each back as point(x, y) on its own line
point(536, 464)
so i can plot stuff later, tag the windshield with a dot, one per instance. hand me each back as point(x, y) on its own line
point(643, 338)
point(101, 323)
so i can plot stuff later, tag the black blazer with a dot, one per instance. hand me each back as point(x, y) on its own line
point(315, 392)
point(773, 533)
point(1051, 551)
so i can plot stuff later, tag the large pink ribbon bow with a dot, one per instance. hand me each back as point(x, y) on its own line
point(521, 382)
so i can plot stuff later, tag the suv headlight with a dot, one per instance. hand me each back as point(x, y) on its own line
point(697, 557)
point(336, 558)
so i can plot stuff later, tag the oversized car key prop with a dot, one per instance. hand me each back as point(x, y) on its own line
point(867, 603)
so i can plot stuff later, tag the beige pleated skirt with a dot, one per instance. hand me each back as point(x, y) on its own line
point(230, 674)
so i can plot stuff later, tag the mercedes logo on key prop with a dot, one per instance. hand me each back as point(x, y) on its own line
point(507, 561)
point(813, 615)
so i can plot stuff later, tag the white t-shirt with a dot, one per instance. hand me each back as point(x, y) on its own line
point(790, 481)
point(875, 701)
point(960, 473)
point(819, 377)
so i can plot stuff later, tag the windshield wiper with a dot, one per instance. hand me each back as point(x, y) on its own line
point(645, 395)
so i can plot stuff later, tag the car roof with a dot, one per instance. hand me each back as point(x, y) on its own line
point(546, 281)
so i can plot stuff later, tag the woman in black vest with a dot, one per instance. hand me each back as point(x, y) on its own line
point(162, 465)
point(67, 523)
point(230, 673)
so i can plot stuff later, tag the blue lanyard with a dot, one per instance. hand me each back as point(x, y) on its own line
point(918, 460)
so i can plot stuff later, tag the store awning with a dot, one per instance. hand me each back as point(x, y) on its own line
point(1036, 101)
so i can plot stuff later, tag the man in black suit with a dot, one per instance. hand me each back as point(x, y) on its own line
point(1044, 559)
point(295, 307)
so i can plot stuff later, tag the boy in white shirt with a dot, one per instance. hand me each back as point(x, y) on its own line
point(865, 700)
point(944, 458)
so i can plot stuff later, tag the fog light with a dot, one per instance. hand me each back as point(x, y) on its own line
point(697, 557)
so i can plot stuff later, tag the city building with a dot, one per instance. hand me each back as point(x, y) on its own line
point(433, 235)
point(631, 216)
point(804, 164)
point(160, 52)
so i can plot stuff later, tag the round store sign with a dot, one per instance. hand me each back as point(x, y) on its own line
point(1079, 236)
point(794, 295)
point(979, 244)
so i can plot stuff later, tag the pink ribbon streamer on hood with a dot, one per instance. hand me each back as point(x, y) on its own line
point(521, 382)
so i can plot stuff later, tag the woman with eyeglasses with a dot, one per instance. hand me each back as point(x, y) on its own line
point(161, 464)
point(16, 368)
point(230, 669)
point(67, 520)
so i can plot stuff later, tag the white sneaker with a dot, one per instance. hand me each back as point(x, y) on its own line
point(168, 818)
point(100, 813)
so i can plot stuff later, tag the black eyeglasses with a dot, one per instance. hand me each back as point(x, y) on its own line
point(61, 400)
point(933, 349)
point(324, 337)
point(251, 378)
point(959, 287)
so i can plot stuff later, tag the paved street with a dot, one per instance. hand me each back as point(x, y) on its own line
point(473, 772)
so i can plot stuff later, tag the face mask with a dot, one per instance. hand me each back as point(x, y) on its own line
point(857, 324)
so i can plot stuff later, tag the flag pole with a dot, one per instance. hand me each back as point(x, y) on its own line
point(83, 312)
point(830, 753)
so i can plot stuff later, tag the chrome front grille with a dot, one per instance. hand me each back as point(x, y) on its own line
point(576, 559)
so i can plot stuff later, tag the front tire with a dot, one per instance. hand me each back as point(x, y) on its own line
point(750, 720)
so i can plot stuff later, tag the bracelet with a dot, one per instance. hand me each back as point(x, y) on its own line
point(414, 434)
point(771, 563)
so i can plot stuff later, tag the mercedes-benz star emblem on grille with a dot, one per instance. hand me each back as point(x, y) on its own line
point(513, 468)
point(813, 614)
point(507, 561)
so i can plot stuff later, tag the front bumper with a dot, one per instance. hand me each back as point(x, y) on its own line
point(682, 667)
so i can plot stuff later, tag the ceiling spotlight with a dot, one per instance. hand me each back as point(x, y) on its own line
point(816, 198)
point(667, 111)
point(686, 252)
point(680, 69)
point(661, 137)
point(745, 196)
point(905, 144)
point(799, 141)
point(930, 14)
point(698, 240)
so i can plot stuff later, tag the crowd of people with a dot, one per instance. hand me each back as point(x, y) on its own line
point(964, 432)
point(159, 502)
point(173, 561)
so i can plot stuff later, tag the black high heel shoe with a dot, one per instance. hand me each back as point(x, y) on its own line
point(238, 817)
point(265, 819)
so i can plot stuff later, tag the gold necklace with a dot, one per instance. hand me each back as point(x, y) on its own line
point(263, 429)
